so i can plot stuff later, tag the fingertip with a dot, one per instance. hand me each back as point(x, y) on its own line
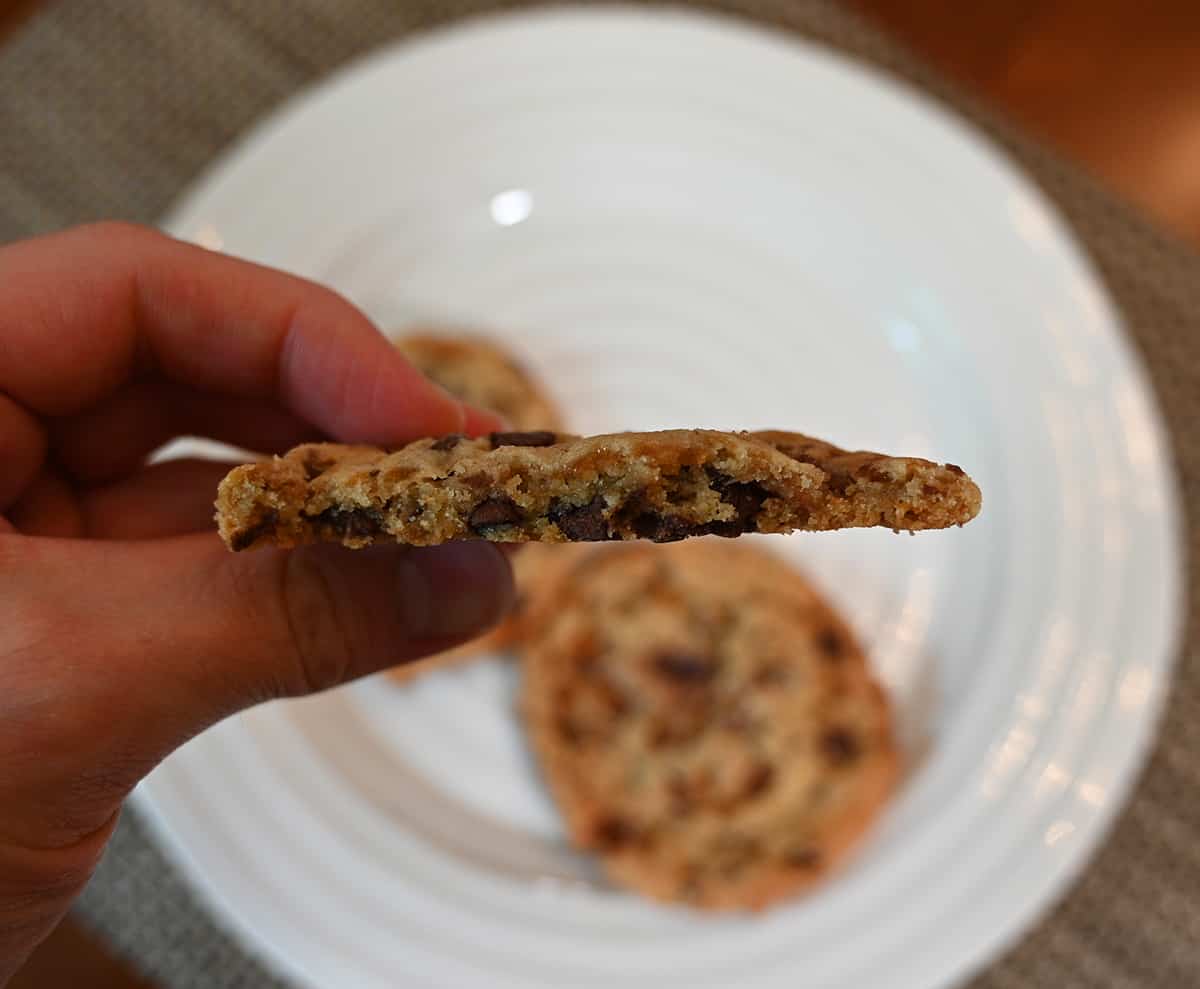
point(479, 421)
point(358, 388)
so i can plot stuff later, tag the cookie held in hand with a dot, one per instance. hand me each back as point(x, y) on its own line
point(541, 486)
point(706, 723)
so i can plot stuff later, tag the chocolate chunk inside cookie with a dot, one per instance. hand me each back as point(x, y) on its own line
point(497, 510)
point(539, 437)
point(582, 523)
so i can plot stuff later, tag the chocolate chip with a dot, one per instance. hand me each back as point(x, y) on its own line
point(569, 731)
point(758, 781)
point(611, 833)
point(357, 522)
point(447, 442)
point(802, 858)
point(264, 526)
point(955, 469)
point(500, 510)
point(726, 530)
point(664, 528)
point(315, 466)
point(747, 499)
point(831, 644)
point(770, 675)
point(839, 482)
point(685, 667)
point(683, 724)
point(840, 746)
point(583, 523)
point(537, 437)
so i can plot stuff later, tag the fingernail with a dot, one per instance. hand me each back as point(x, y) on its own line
point(454, 591)
point(460, 410)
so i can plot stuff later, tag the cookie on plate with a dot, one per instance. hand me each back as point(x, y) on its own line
point(542, 486)
point(706, 723)
point(481, 373)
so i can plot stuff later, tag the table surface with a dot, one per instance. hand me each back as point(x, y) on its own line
point(1115, 86)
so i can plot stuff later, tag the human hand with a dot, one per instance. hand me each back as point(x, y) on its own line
point(125, 626)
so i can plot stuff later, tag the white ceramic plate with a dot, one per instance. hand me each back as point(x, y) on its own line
point(685, 222)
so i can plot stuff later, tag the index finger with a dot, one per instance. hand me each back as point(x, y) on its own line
point(84, 311)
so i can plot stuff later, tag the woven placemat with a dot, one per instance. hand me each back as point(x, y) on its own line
point(108, 108)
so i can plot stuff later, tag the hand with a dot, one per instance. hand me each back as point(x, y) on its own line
point(125, 625)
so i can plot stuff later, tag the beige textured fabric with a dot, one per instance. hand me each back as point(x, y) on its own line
point(110, 107)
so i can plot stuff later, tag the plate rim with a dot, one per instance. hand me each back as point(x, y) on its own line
point(1142, 735)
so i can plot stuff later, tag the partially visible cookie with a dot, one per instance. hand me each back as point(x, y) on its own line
point(481, 373)
point(541, 486)
point(484, 375)
point(705, 722)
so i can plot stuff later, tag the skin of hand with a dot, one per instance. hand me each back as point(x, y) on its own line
point(126, 627)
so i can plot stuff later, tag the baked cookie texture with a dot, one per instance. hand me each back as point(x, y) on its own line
point(542, 486)
point(705, 722)
point(482, 374)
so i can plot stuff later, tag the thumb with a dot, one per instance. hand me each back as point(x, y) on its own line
point(115, 653)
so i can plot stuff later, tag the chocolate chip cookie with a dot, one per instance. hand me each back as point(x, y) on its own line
point(705, 722)
point(541, 486)
point(484, 375)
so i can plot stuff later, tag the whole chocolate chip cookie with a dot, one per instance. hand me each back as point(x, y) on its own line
point(539, 486)
point(705, 722)
point(483, 374)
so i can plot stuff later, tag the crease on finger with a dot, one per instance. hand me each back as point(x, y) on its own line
point(171, 498)
point(48, 507)
point(114, 437)
point(23, 444)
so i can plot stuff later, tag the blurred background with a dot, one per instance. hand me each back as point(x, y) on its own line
point(1114, 86)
